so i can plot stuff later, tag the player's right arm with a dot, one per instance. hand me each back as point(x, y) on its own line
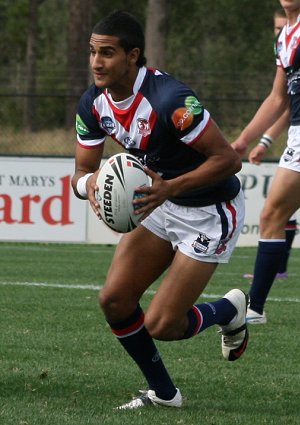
point(268, 113)
point(87, 163)
point(257, 154)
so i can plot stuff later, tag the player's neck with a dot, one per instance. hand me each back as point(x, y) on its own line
point(124, 88)
point(292, 18)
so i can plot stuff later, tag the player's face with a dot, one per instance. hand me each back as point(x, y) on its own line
point(279, 23)
point(112, 67)
point(290, 5)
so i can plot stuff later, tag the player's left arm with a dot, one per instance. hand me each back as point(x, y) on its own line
point(222, 161)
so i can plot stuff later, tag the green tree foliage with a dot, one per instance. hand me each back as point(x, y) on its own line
point(223, 48)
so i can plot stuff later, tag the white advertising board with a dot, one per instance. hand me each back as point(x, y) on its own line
point(37, 203)
point(256, 182)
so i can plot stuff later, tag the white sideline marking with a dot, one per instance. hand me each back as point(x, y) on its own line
point(149, 291)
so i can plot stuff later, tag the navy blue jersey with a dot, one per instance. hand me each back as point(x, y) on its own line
point(159, 125)
point(288, 57)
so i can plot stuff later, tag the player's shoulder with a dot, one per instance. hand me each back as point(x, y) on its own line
point(162, 79)
point(165, 91)
point(91, 93)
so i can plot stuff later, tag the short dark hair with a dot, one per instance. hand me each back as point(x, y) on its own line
point(279, 13)
point(125, 26)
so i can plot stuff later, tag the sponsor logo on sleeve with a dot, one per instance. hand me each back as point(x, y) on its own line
point(81, 127)
point(184, 116)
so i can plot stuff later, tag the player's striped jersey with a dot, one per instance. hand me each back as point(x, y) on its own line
point(288, 57)
point(158, 124)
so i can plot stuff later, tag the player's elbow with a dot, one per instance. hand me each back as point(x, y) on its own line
point(234, 162)
point(237, 164)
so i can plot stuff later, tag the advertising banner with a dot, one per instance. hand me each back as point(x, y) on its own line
point(37, 203)
point(256, 182)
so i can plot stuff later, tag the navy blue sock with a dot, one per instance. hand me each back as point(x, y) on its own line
point(136, 340)
point(267, 262)
point(290, 232)
point(201, 316)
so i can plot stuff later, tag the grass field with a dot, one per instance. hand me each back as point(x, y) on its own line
point(61, 365)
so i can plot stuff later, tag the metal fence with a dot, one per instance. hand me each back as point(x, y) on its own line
point(37, 125)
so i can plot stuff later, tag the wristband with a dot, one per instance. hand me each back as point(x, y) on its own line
point(266, 141)
point(81, 185)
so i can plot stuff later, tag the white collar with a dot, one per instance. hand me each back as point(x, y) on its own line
point(289, 28)
point(139, 79)
point(125, 103)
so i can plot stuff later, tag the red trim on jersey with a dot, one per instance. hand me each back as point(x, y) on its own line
point(89, 147)
point(96, 113)
point(145, 139)
point(135, 327)
point(202, 132)
point(289, 36)
point(289, 39)
point(125, 116)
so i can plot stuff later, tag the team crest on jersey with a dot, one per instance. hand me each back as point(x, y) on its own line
point(201, 243)
point(108, 125)
point(294, 42)
point(279, 47)
point(144, 127)
point(129, 142)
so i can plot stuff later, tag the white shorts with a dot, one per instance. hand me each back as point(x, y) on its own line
point(206, 234)
point(290, 158)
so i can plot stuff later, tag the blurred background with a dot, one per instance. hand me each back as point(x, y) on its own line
point(222, 48)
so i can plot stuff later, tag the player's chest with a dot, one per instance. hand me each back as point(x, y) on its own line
point(132, 127)
point(289, 49)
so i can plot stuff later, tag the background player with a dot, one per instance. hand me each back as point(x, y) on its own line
point(257, 154)
point(283, 198)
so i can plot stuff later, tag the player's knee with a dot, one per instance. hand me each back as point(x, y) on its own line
point(114, 304)
point(271, 220)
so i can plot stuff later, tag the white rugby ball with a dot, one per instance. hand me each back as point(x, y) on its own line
point(117, 180)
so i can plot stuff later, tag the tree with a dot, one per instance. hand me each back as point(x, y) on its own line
point(79, 29)
point(156, 33)
point(29, 121)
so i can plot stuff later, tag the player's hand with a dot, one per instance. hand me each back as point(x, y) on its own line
point(153, 195)
point(92, 189)
point(257, 154)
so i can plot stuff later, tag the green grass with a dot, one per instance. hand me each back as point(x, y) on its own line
point(61, 365)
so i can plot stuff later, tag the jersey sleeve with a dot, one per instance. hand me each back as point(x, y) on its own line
point(277, 44)
point(187, 116)
point(89, 133)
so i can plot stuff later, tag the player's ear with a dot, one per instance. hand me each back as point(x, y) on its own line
point(133, 55)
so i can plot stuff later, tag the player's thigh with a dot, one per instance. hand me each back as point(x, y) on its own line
point(283, 198)
point(140, 258)
point(182, 285)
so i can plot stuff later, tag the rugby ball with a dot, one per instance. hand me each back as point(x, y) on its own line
point(117, 180)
